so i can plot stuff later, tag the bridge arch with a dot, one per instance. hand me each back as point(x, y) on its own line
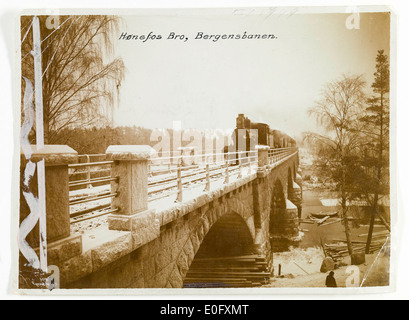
point(227, 228)
point(229, 236)
point(221, 253)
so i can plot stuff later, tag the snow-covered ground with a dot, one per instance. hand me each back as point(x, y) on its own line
point(373, 273)
point(298, 261)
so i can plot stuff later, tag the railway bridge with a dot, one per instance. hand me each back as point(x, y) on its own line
point(170, 226)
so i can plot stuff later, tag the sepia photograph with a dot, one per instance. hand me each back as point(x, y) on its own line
point(206, 150)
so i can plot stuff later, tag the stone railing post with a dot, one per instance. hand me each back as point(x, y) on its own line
point(262, 158)
point(56, 159)
point(131, 167)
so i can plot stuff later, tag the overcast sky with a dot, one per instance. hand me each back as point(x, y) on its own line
point(205, 84)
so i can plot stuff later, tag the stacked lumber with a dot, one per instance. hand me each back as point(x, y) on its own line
point(339, 249)
point(233, 272)
point(380, 234)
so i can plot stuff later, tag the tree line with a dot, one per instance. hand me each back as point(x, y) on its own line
point(95, 140)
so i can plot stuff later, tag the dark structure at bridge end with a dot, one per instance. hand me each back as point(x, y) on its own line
point(265, 135)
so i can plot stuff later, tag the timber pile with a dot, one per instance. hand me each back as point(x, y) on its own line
point(339, 249)
point(233, 272)
point(375, 235)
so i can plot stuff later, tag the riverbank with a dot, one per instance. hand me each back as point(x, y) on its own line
point(301, 264)
point(373, 273)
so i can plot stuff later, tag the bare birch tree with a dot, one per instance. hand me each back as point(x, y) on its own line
point(338, 111)
point(80, 80)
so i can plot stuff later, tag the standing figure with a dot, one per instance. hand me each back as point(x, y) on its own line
point(330, 282)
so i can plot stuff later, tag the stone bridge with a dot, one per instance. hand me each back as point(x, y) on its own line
point(144, 246)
